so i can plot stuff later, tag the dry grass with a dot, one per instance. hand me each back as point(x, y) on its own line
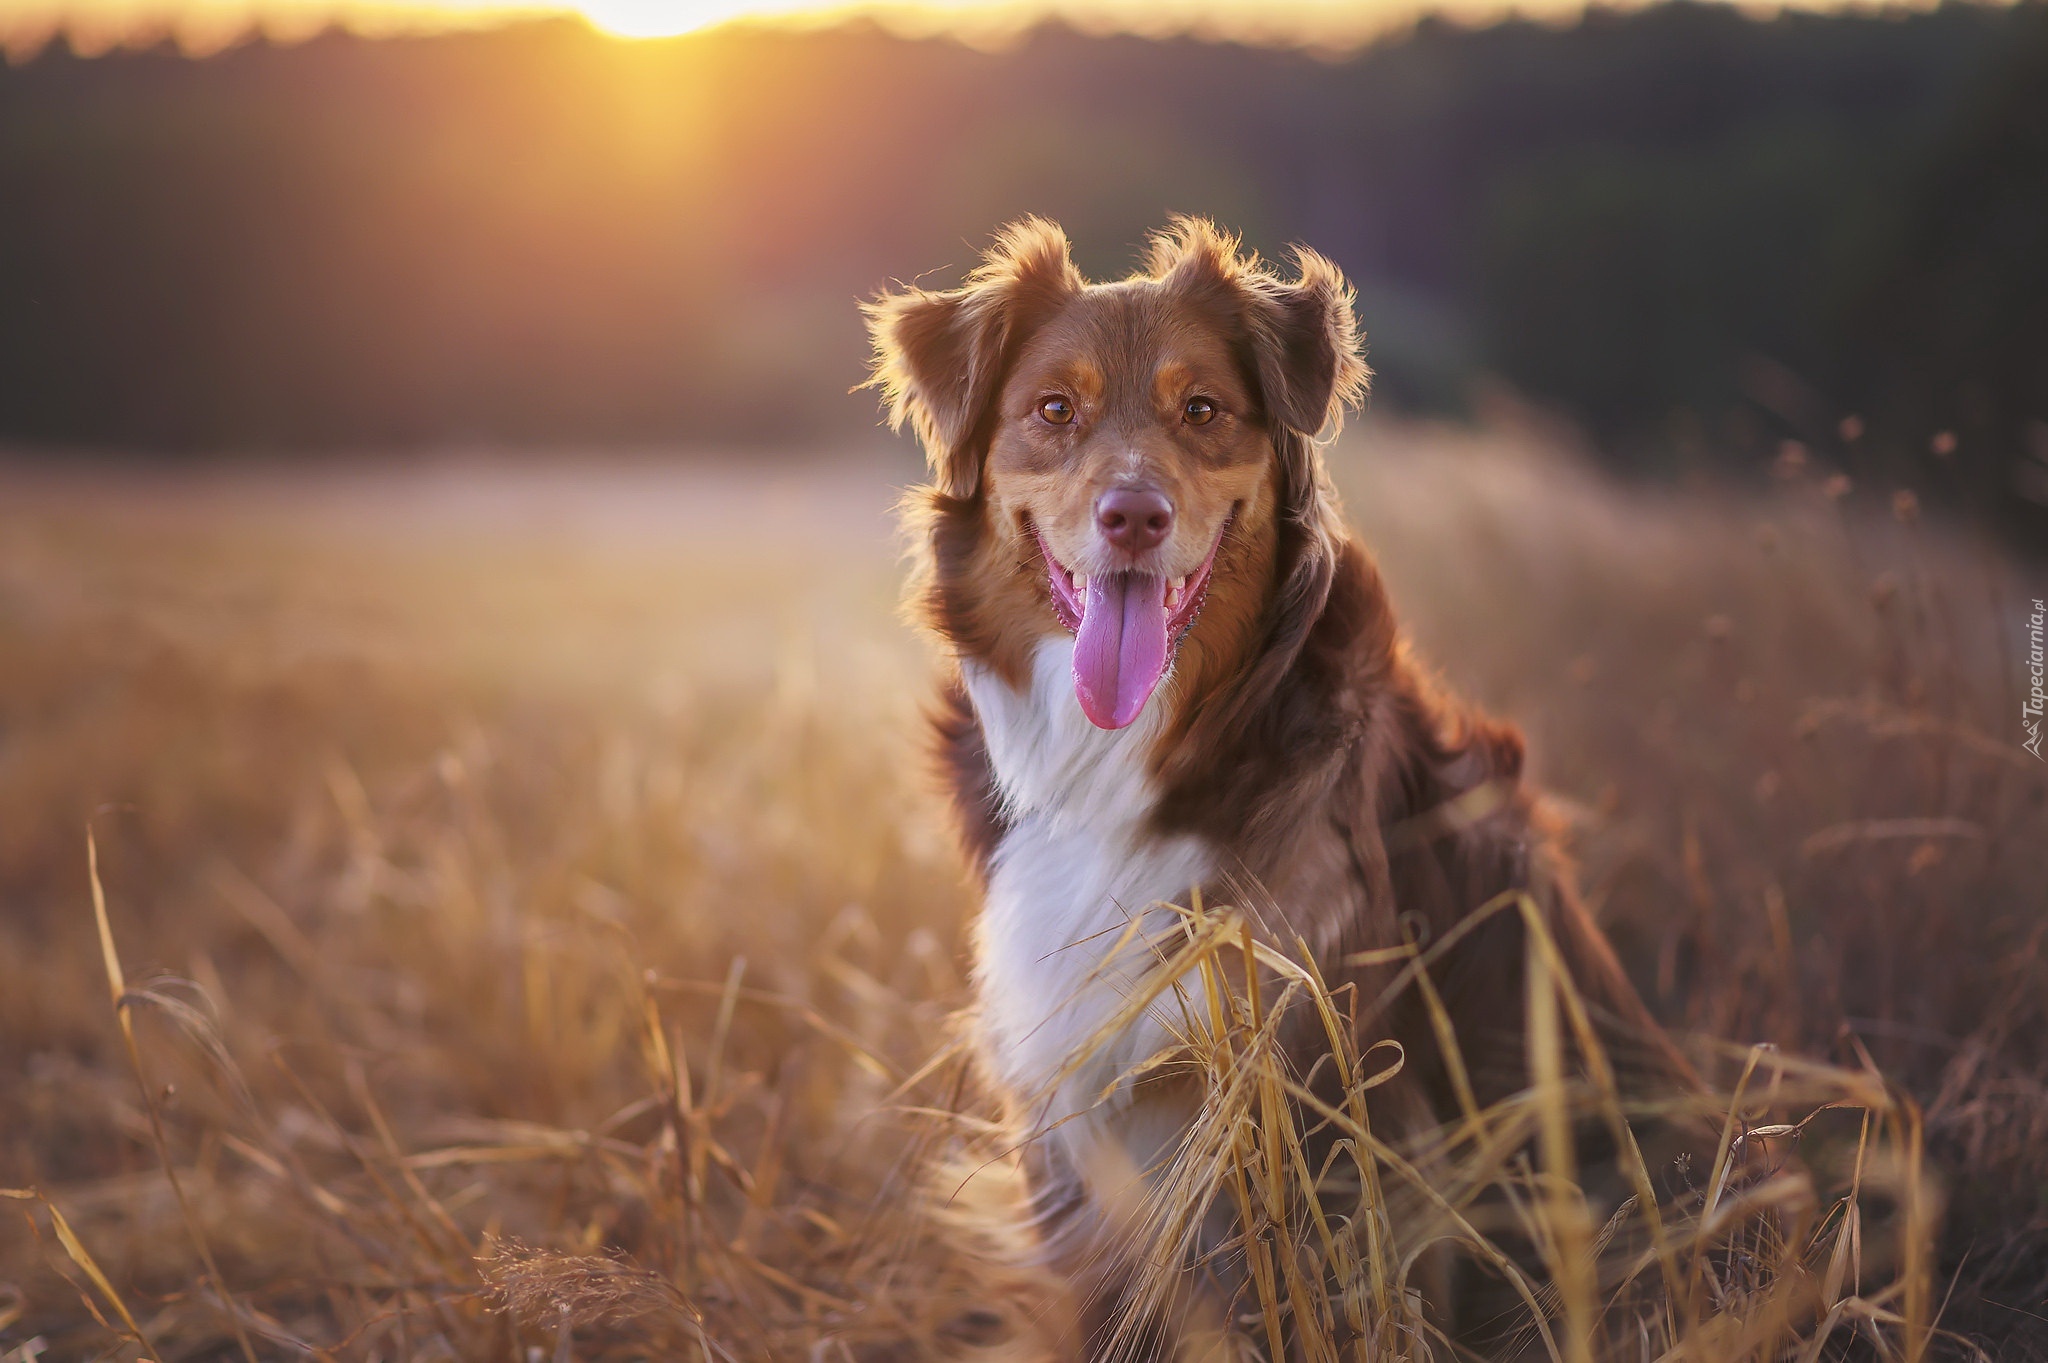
point(536, 943)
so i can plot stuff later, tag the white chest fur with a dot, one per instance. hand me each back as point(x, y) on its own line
point(1075, 870)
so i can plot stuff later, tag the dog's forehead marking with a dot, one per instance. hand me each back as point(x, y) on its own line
point(1132, 342)
point(1172, 378)
point(1074, 371)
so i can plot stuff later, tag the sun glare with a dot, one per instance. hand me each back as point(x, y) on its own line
point(201, 26)
point(661, 18)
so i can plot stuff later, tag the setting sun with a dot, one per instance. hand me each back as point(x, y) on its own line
point(662, 18)
point(202, 26)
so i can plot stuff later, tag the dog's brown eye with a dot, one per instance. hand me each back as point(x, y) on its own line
point(1057, 410)
point(1200, 412)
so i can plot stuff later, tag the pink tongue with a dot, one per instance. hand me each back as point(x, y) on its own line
point(1121, 652)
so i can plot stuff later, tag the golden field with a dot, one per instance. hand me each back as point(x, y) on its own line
point(537, 937)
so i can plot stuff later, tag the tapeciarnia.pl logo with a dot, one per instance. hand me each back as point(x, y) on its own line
point(2037, 698)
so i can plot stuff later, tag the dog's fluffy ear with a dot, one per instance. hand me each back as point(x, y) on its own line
point(940, 355)
point(1300, 335)
point(1310, 363)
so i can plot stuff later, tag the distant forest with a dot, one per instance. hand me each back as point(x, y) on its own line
point(1697, 233)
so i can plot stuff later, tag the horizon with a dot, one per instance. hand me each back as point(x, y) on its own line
point(202, 27)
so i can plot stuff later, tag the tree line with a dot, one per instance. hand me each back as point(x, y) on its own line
point(1700, 234)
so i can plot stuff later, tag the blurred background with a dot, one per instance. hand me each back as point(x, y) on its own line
point(1693, 231)
point(445, 566)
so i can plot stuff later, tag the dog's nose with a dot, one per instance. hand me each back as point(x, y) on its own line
point(1134, 518)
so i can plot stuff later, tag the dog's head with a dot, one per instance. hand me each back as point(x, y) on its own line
point(1125, 451)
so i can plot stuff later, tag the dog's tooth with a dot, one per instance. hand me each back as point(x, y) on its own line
point(1080, 582)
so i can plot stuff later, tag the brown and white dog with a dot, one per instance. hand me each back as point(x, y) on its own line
point(1177, 670)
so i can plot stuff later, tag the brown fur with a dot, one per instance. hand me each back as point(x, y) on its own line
point(1352, 800)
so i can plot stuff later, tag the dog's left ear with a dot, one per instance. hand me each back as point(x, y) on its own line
point(940, 356)
point(1306, 342)
point(1299, 337)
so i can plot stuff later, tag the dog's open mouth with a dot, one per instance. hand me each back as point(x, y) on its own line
point(1126, 627)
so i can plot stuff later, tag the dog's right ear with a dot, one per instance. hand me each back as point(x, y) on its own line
point(940, 356)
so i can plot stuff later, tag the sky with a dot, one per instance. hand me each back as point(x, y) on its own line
point(204, 25)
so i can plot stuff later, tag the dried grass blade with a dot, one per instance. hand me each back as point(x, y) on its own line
point(75, 1248)
point(118, 988)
